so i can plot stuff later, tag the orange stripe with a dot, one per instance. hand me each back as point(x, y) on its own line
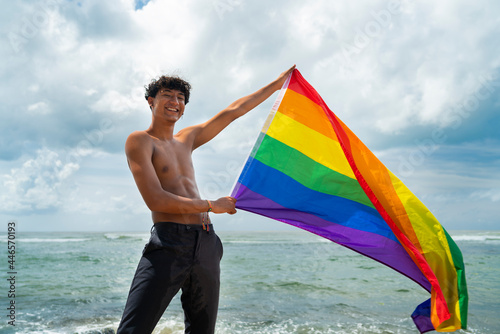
point(375, 176)
point(375, 173)
point(437, 258)
point(376, 180)
point(305, 111)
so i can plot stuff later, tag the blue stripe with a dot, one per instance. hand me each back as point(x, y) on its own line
point(289, 193)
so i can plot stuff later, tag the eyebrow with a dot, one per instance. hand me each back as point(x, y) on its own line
point(166, 90)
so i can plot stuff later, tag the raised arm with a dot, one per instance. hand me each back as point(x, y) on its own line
point(139, 150)
point(206, 131)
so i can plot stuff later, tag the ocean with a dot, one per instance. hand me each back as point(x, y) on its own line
point(272, 282)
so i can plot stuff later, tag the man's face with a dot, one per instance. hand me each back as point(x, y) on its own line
point(168, 104)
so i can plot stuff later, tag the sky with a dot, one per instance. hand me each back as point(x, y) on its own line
point(417, 81)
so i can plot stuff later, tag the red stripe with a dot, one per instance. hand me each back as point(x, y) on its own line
point(441, 305)
point(301, 86)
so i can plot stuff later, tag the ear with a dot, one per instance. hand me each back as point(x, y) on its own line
point(151, 101)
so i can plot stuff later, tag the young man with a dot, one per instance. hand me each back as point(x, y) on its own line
point(183, 252)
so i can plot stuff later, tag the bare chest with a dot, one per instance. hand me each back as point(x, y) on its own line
point(174, 167)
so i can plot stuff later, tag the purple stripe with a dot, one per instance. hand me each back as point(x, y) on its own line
point(422, 317)
point(375, 246)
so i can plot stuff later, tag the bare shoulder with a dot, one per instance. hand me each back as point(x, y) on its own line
point(187, 134)
point(187, 131)
point(138, 140)
point(139, 135)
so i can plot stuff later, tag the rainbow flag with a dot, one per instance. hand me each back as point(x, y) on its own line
point(309, 170)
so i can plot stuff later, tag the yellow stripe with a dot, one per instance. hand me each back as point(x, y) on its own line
point(315, 145)
point(423, 221)
point(437, 254)
point(305, 111)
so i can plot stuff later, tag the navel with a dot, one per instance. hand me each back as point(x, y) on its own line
point(164, 169)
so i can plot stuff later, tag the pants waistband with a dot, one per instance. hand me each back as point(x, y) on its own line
point(171, 226)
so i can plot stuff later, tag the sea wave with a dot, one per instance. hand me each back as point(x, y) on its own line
point(126, 236)
point(53, 239)
point(82, 329)
point(274, 242)
point(481, 237)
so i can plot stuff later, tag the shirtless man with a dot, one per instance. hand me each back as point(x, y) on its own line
point(183, 252)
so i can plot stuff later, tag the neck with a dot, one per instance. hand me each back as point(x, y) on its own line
point(161, 129)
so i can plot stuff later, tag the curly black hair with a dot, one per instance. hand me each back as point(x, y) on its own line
point(169, 82)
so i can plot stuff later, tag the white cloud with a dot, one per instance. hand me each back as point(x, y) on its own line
point(38, 184)
point(415, 70)
point(492, 195)
point(40, 108)
point(87, 62)
point(114, 102)
point(99, 201)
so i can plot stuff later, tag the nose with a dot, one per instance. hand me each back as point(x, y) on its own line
point(175, 100)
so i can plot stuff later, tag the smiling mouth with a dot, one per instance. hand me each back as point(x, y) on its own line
point(173, 109)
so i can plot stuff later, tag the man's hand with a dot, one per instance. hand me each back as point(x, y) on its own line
point(283, 76)
point(224, 205)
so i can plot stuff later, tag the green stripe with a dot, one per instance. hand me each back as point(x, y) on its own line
point(257, 144)
point(308, 172)
point(458, 261)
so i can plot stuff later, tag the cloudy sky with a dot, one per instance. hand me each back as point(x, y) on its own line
point(417, 81)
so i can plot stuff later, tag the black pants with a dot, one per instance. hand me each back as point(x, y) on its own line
point(176, 257)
